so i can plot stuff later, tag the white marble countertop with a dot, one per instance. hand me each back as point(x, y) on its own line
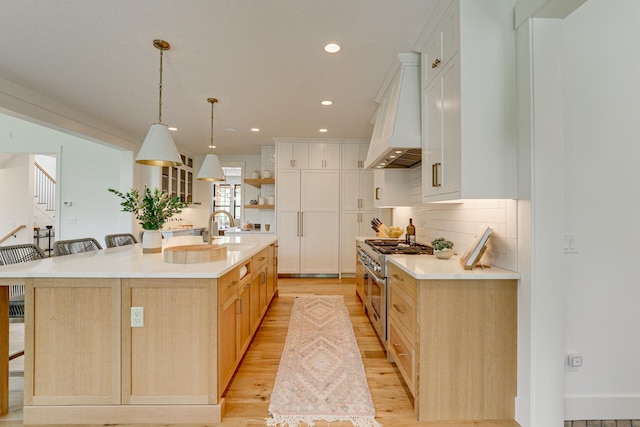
point(130, 262)
point(428, 267)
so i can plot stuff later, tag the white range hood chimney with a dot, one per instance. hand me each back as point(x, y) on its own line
point(396, 141)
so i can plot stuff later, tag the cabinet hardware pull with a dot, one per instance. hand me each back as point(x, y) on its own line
point(438, 173)
point(298, 224)
point(377, 193)
point(398, 309)
point(262, 258)
point(263, 278)
point(240, 308)
point(232, 284)
point(435, 63)
point(395, 276)
point(398, 346)
point(301, 224)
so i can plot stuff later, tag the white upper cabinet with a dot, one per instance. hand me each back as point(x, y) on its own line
point(324, 156)
point(292, 155)
point(354, 155)
point(391, 188)
point(468, 100)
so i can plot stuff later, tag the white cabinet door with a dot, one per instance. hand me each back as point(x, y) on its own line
point(288, 242)
point(320, 222)
point(353, 155)
point(319, 242)
point(288, 221)
point(391, 188)
point(350, 190)
point(366, 190)
point(324, 156)
point(292, 155)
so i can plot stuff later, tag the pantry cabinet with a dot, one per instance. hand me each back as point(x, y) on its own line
point(308, 221)
point(353, 156)
point(468, 141)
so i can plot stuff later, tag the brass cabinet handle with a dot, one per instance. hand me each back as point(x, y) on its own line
point(262, 258)
point(377, 193)
point(263, 278)
point(399, 354)
point(398, 309)
point(232, 284)
point(435, 182)
point(435, 63)
point(398, 278)
point(240, 308)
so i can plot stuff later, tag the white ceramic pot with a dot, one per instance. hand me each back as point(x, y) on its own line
point(151, 241)
point(266, 174)
point(262, 201)
point(444, 253)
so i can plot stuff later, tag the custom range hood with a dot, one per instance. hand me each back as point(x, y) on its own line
point(396, 141)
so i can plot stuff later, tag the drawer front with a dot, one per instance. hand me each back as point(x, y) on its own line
point(405, 281)
point(228, 285)
point(404, 356)
point(259, 259)
point(402, 309)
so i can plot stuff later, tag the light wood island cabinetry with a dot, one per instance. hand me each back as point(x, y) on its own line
point(85, 362)
point(453, 338)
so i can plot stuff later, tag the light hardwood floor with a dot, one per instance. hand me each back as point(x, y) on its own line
point(247, 398)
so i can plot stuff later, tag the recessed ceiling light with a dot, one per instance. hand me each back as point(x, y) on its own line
point(322, 130)
point(392, 156)
point(327, 102)
point(255, 130)
point(173, 129)
point(398, 151)
point(231, 129)
point(332, 48)
point(212, 146)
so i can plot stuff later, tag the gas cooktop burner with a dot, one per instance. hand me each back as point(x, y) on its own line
point(398, 247)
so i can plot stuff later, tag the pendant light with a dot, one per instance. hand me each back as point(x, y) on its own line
point(158, 148)
point(211, 170)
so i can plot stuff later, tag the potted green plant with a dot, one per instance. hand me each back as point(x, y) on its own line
point(442, 248)
point(152, 209)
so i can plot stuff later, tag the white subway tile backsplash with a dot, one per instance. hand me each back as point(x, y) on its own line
point(460, 222)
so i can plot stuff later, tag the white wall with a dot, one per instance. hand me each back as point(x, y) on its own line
point(85, 171)
point(602, 148)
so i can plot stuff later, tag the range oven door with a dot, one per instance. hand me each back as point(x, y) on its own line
point(376, 304)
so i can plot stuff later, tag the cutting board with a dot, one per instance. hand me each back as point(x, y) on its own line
point(193, 254)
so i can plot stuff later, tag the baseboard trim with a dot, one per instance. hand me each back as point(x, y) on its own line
point(602, 407)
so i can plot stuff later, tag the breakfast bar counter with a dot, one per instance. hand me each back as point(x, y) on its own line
point(120, 337)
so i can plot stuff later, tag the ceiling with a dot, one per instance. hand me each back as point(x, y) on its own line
point(262, 59)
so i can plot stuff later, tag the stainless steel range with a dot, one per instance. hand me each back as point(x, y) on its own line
point(373, 256)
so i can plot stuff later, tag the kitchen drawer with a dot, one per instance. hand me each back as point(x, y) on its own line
point(228, 285)
point(402, 309)
point(259, 260)
point(404, 355)
point(405, 281)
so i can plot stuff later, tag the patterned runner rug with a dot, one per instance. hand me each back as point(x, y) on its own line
point(321, 375)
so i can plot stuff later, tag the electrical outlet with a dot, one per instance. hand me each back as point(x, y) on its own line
point(137, 317)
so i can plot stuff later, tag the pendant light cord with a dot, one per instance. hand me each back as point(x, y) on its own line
point(211, 145)
point(160, 89)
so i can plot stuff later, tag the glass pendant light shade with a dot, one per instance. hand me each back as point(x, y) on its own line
point(211, 169)
point(158, 148)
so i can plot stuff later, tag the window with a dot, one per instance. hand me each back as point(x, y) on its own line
point(227, 197)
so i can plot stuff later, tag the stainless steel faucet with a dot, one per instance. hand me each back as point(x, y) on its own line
point(212, 217)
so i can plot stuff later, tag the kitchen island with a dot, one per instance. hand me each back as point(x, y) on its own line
point(453, 336)
point(86, 364)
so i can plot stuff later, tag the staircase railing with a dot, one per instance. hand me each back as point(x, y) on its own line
point(44, 188)
point(12, 233)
